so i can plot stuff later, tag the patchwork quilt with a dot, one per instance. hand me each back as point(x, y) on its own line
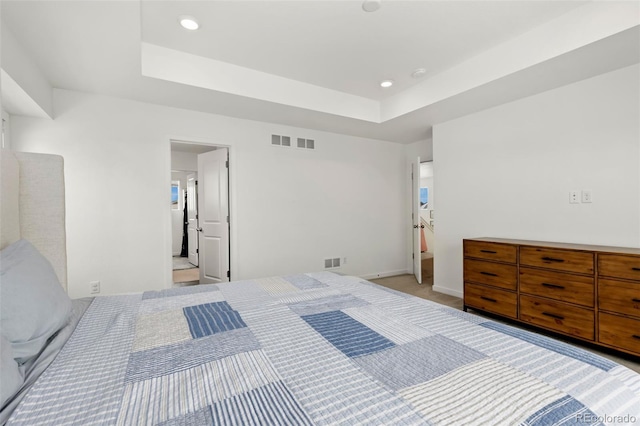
point(321, 349)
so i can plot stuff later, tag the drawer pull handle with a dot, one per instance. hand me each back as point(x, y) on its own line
point(488, 298)
point(488, 251)
point(636, 269)
point(553, 315)
point(553, 285)
point(635, 300)
point(635, 336)
point(552, 259)
point(489, 273)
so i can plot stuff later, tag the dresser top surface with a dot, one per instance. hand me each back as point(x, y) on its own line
point(570, 246)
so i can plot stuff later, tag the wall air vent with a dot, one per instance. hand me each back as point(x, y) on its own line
point(332, 263)
point(306, 143)
point(278, 140)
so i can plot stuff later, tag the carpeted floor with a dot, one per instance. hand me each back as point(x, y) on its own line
point(180, 263)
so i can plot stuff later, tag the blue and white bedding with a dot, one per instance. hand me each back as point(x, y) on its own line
point(316, 349)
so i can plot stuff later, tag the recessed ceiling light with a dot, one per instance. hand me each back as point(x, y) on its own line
point(386, 83)
point(189, 23)
point(419, 73)
point(371, 5)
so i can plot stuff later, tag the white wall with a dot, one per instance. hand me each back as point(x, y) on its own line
point(290, 208)
point(423, 149)
point(7, 129)
point(186, 161)
point(24, 71)
point(1, 108)
point(507, 171)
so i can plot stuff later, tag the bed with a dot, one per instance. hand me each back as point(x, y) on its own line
point(315, 348)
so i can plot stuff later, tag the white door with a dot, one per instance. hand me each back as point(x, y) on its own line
point(415, 219)
point(192, 219)
point(213, 216)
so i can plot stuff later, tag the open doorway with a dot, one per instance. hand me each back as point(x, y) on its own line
point(427, 237)
point(185, 250)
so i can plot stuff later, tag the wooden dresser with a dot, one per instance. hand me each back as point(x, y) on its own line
point(588, 292)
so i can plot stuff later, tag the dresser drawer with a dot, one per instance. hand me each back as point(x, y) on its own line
point(491, 273)
point(558, 316)
point(491, 300)
point(491, 251)
point(558, 259)
point(619, 332)
point(619, 266)
point(558, 285)
point(619, 296)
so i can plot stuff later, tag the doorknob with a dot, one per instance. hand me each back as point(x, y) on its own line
point(199, 229)
point(415, 226)
point(422, 226)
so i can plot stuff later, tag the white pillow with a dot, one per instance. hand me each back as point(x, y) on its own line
point(33, 304)
point(11, 379)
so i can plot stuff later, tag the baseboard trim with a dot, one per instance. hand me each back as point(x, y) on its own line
point(385, 274)
point(448, 291)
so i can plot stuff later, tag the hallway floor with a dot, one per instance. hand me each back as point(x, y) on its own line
point(184, 273)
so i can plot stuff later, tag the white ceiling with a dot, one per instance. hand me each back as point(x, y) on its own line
point(335, 44)
point(329, 48)
point(190, 147)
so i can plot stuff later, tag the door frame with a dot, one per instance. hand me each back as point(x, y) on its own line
point(233, 225)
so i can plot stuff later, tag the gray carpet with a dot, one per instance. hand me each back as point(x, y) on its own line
point(182, 263)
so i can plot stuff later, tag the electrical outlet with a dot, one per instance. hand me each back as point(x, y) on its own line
point(574, 198)
point(95, 287)
point(586, 196)
point(344, 261)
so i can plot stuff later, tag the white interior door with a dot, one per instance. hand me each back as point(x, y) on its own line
point(213, 216)
point(192, 218)
point(415, 218)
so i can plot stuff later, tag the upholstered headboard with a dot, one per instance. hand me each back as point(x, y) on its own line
point(33, 205)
